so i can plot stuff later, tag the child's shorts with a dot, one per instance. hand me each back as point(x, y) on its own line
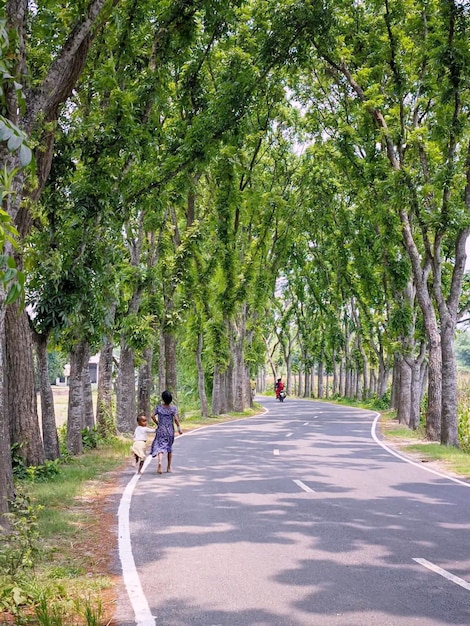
point(138, 448)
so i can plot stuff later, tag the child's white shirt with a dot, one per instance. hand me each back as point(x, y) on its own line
point(140, 433)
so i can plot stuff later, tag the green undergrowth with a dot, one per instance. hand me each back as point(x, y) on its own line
point(48, 573)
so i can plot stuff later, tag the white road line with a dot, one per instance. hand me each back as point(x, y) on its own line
point(403, 458)
point(276, 452)
point(289, 434)
point(305, 423)
point(442, 572)
point(130, 576)
point(304, 486)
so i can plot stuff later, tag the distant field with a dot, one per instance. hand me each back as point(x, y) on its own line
point(61, 400)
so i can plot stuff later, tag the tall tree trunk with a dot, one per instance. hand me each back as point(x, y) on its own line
point(395, 381)
point(161, 365)
point(49, 427)
point(383, 374)
point(201, 385)
point(240, 383)
point(416, 387)
point(335, 386)
point(125, 401)
point(87, 392)
point(170, 363)
point(342, 378)
point(21, 390)
point(449, 431)
point(6, 472)
point(320, 378)
point(104, 402)
point(144, 386)
point(220, 401)
point(404, 395)
point(76, 410)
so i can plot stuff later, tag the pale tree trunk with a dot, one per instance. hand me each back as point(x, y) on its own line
point(448, 310)
point(404, 393)
point(104, 402)
point(219, 392)
point(144, 386)
point(365, 373)
point(335, 385)
point(306, 377)
point(161, 365)
point(21, 391)
point(170, 363)
point(49, 429)
point(125, 400)
point(201, 385)
point(383, 374)
point(229, 390)
point(434, 408)
point(395, 381)
point(87, 393)
point(240, 380)
point(6, 472)
point(76, 410)
point(342, 378)
point(417, 367)
point(449, 431)
point(321, 387)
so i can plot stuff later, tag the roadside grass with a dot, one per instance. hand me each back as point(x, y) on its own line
point(61, 573)
point(453, 459)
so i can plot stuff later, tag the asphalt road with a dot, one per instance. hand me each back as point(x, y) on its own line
point(297, 517)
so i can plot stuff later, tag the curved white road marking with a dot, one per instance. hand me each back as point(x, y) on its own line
point(403, 458)
point(131, 578)
point(443, 572)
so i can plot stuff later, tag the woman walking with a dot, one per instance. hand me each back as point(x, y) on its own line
point(165, 417)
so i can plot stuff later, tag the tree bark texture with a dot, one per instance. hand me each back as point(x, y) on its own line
point(404, 393)
point(170, 363)
point(6, 472)
point(201, 385)
point(104, 403)
point(21, 390)
point(48, 421)
point(144, 385)
point(87, 392)
point(76, 410)
point(126, 401)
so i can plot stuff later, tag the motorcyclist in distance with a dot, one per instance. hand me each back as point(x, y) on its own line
point(278, 387)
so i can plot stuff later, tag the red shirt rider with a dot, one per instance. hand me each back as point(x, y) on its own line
point(278, 387)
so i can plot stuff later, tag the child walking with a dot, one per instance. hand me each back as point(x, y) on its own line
point(140, 440)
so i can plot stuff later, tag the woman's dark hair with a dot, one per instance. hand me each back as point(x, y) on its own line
point(167, 397)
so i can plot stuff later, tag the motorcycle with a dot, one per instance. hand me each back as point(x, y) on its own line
point(281, 396)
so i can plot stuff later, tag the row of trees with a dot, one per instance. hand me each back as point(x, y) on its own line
point(206, 173)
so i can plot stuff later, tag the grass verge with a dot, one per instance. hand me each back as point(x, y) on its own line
point(55, 563)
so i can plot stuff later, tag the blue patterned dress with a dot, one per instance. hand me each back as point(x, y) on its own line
point(165, 435)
